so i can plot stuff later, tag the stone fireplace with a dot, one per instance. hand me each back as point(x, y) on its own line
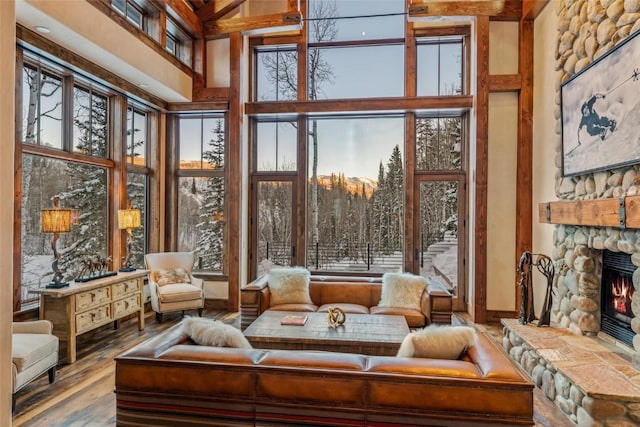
point(586, 361)
point(597, 274)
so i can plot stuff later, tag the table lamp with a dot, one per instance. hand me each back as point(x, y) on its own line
point(128, 219)
point(56, 221)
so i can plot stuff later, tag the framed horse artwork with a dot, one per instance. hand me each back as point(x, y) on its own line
point(600, 112)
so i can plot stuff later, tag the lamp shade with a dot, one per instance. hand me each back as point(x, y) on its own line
point(128, 218)
point(56, 220)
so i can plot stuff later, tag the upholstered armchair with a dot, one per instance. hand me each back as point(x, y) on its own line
point(34, 351)
point(172, 287)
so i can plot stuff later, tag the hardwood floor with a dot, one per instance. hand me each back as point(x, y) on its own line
point(82, 394)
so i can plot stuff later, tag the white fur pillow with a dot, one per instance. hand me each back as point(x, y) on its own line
point(438, 342)
point(289, 285)
point(214, 333)
point(402, 290)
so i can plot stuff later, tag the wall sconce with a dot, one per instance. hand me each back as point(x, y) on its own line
point(128, 219)
point(56, 221)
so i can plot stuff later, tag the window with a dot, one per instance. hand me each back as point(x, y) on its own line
point(80, 187)
point(352, 57)
point(277, 71)
point(136, 137)
point(439, 63)
point(131, 11)
point(438, 143)
point(41, 107)
point(67, 155)
point(277, 146)
point(90, 120)
point(137, 192)
point(355, 203)
point(201, 189)
point(178, 43)
point(342, 205)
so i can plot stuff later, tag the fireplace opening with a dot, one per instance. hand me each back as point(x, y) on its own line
point(616, 293)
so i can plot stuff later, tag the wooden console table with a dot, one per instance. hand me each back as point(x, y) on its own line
point(82, 307)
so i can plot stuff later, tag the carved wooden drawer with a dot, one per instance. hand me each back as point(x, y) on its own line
point(126, 305)
point(93, 318)
point(124, 288)
point(92, 298)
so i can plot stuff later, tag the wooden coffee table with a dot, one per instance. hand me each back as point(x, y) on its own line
point(379, 335)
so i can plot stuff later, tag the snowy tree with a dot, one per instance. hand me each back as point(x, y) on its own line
point(210, 246)
point(87, 189)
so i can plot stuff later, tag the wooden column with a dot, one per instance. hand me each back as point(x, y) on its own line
point(524, 189)
point(234, 164)
point(482, 168)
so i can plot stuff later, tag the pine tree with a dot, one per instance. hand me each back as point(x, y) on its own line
point(210, 243)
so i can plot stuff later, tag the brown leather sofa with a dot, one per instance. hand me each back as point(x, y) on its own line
point(354, 294)
point(168, 380)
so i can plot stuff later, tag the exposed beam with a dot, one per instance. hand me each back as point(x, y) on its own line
point(197, 3)
point(177, 107)
point(504, 82)
point(216, 9)
point(532, 8)
point(371, 104)
point(186, 17)
point(288, 21)
point(435, 8)
point(479, 303)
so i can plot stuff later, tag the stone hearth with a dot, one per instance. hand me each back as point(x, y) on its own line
point(591, 380)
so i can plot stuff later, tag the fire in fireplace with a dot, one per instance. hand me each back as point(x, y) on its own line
point(617, 292)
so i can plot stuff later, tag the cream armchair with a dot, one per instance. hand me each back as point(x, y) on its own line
point(172, 287)
point(34, 351)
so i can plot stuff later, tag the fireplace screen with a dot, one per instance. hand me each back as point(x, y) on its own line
point(617, 292)
point(617, 298)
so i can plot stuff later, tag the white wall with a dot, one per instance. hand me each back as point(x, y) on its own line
point(7, 142)
point(501, 201)
point(502, 173)
point(544, 135)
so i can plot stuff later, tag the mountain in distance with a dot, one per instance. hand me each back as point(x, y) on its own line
point(353, 183)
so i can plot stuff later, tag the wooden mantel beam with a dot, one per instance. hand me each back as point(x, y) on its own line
point(619, 213)
point(288, 21)
point(506, 9)
point(532, 8)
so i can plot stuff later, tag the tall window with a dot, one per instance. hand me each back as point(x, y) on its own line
point(201, 190)
point(353, 182)
point(355, 204)
point(137, 145)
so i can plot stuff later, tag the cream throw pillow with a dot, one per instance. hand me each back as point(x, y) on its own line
point(214, 333)
point(289, 285)
point(171, 276)
point(402, 290)
point(438, 342)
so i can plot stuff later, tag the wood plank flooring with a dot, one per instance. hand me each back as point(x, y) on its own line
point(82, 395)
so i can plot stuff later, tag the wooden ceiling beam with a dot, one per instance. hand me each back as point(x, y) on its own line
point(532, 8)
point(197, 3)
point(216, 9)
point(186, 17)
point(504, 9)
point(289, 21)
